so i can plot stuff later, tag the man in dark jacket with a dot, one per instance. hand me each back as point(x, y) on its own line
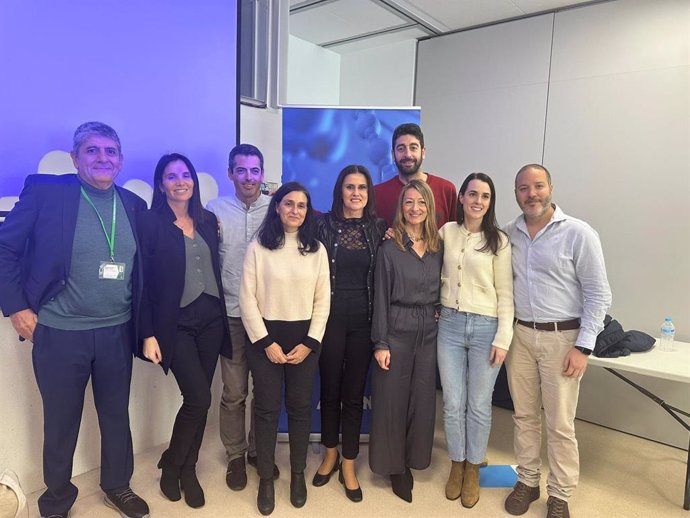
point(69, 281)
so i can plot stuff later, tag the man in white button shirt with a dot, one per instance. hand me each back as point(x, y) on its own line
point(239, 218)
point(561, 296)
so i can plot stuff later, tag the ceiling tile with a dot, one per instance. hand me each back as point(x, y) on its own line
point(458, 14)
point(342, 19)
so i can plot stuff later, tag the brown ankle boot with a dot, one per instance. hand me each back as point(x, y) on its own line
point(470, 485)
point(454, 484)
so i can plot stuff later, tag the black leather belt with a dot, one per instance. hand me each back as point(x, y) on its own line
point(566, 325)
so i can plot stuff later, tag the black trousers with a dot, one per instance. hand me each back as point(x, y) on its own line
point(343, 368)
point(198, 343)
point(63, 363)
point(269, 380)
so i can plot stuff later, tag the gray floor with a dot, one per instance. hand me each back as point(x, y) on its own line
point(621, 476)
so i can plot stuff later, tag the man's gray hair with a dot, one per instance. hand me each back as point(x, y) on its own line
point(89, 129)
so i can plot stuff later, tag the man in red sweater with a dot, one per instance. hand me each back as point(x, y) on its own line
point(408, 154)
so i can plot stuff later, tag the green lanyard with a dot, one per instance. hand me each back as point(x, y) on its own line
point(111, 239)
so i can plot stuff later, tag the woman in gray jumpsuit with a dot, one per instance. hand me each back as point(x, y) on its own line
point(407, 284)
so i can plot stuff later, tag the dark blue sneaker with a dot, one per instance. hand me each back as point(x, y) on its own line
point(127, 503)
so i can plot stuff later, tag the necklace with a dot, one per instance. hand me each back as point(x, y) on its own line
point(415, 239)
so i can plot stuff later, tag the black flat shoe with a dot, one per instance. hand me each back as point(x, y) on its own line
point(353, 494)
point(321, 480)
point(298, 490)
point(266, 497)
point(236, 475)
point(401, 486)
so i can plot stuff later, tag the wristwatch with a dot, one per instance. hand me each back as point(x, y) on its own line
point(584, 350)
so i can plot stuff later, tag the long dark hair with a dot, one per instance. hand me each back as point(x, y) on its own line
point(271, 234)
point(337, 205)
point(492, 234)
point(196, 209)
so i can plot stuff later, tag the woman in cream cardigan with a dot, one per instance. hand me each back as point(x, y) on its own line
point(474, 330)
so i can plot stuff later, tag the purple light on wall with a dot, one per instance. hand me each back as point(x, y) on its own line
point(161, 72)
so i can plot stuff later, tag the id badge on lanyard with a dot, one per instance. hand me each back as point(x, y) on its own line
point(108, 270)
point(111, 270)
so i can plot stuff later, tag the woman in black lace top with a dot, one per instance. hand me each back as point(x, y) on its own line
point(351, 233)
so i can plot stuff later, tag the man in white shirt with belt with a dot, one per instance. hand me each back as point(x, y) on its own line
point(561, 297)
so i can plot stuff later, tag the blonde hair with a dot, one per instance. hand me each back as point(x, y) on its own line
point(429, 228)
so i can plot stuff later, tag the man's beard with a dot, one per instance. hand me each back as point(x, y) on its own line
point(406, 171)
point(544, 205)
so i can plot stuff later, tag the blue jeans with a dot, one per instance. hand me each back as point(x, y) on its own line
point(464, 347)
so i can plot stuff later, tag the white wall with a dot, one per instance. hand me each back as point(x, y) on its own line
point(600, 94)
point(313, 74)
point(264, 129)
point(483, 97)
point(617, 139)
point(607, 106)
point(379, 76)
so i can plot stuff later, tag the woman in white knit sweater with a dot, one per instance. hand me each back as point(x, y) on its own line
point(284, 304)
point(474, 330)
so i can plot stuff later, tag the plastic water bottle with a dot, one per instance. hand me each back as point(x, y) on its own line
point(668, 332)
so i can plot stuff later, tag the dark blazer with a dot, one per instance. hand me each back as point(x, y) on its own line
point(164, 271)
point(36, 242)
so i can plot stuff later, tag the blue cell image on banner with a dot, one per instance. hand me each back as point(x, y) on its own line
point(318, 142)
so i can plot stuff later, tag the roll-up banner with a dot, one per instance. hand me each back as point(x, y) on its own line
point(318, 142)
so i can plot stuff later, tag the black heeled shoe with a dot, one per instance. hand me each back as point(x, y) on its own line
point(170, 479)
point(401, 486)
point(298, 490)
point(410, 478)
point(193, 493)
point(353, 494)
point(321, 480)
point(266, 497)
